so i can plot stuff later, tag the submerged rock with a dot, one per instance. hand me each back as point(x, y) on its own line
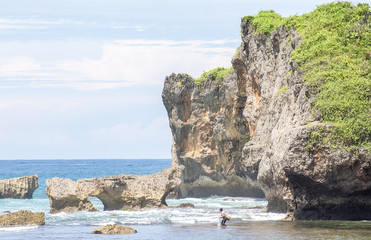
point(22, 218)
point(186, 205)
point(114, 229)
point(18, 188)
point(119, 192)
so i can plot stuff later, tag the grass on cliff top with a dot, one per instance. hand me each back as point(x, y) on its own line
point(218, 74)
point(265, 22)
point(334, 55)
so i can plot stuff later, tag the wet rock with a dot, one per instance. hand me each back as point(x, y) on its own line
point(22, 218)
point(114, 229)
point(186, 205)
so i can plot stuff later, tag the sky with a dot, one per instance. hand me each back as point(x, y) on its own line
point(82, 79)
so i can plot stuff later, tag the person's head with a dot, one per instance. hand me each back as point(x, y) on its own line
point(221, 210)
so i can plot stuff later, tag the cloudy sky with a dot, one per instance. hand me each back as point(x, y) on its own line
point(82, 79)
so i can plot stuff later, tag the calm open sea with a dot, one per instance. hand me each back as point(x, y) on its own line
point(200, 222)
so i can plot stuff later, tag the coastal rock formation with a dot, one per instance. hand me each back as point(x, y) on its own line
point(67, 196)
point(251, 131)
point(209, 132)
point(114, 229)
point(22, 218)
point(115, 192)
point(19, 188)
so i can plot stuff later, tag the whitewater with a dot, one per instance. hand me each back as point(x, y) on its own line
point(249, 217)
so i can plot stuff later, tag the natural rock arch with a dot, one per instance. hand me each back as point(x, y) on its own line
point(116, 192)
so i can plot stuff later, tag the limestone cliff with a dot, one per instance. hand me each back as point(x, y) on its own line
point(251, 130)
point(115, 192)
point(19, 188)
point(209, 132)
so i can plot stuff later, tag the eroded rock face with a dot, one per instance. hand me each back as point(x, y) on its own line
point(209, 132)
point(67, 196)
point(115, 192)
point(114, 229)
point(22, 218)
point(327, 184)
point(18, 188)
point(255, 126)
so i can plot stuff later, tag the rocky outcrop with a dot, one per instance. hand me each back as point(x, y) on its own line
point(19, 188)
point(67, 196)
point(22, 218)
point(114, 229)
point(115, 192)
point(252, 130)
point(324, 184)
point(209, 132)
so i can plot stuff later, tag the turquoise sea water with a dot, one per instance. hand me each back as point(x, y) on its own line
point(200, 222)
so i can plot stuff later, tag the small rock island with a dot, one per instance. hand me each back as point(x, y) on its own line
point(18, 188)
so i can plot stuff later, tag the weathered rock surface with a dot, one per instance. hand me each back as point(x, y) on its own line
point(114, 229)
point(209, 132)
point(22, 218)
point(19, 188)
point(255, 126)
point(115, 192)
point(67, 196)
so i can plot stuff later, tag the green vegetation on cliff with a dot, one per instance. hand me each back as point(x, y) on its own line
point(334, 55)
point(265, 22)
point(217, 74)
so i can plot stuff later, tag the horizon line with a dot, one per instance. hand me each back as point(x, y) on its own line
point(71, 159)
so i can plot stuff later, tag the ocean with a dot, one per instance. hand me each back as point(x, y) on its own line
point(249, 218)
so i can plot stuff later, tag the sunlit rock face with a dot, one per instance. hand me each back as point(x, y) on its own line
point(209, 132)
point(121, 192)
point(18, 188)
point(248, 134)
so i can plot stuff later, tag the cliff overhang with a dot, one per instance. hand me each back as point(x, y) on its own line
point(267, 123)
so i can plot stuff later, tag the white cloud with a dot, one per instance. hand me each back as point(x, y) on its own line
point(18, 65)
point(136, 28)
point(131, 134)
point(31, 23)
point(97, 124)
point(123, 63)
point(20, 27)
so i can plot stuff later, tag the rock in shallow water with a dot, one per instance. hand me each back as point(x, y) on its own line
point(186, 205)
point(121, 192)
point(114, 229)
point(66, 195)
point(22, 218)
point(18, 188)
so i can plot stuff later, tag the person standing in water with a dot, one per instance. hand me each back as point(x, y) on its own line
point(224, 217)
